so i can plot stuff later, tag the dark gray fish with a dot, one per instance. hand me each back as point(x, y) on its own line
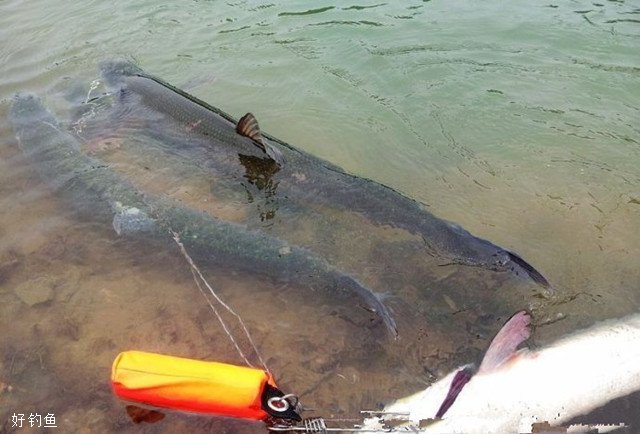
point(92, 185)
point(300, 179)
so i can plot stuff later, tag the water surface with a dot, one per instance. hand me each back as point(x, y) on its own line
point(518, 122)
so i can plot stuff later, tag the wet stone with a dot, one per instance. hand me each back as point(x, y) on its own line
point(35, 291)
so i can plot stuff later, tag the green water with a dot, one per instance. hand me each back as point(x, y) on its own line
point(518, 121)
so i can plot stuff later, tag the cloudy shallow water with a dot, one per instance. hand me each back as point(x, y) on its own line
point(518, 122)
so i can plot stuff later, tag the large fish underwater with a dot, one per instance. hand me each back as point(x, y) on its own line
point(295, 179)
point(340, 235)
point(92, 185)
point(512, 390)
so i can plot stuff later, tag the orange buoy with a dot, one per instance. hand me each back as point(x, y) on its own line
point(198, 386)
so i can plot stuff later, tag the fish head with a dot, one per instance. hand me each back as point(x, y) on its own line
point(504, 260)
point(471, 250)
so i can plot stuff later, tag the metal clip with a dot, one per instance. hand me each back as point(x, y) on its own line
point(283, 403)
point(314, 425)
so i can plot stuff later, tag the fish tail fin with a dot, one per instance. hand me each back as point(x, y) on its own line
point(385, 313)
point(373, 300)
point(27, 109)
point(389, 321)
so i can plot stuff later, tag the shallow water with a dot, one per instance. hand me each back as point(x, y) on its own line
point(518, 122)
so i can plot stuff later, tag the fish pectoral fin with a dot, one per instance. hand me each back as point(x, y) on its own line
point(462, 377)
point(248, 127)
point(504, 345)
point(503, 348)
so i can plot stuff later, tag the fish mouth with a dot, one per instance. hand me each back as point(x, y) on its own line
point(534, 274)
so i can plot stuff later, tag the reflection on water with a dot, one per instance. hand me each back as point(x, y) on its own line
point(516, 121)
point(259, 173)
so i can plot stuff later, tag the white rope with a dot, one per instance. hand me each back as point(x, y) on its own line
point(198, 277)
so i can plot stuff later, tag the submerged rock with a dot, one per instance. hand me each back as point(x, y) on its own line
point(35, 291)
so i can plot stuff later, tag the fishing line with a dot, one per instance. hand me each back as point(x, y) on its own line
point(198, 277)
point(94, 85)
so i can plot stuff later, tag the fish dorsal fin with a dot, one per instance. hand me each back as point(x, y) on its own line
point(248, 127)
point(504, 344)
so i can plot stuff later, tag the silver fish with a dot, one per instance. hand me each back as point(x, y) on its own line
point(514, 389)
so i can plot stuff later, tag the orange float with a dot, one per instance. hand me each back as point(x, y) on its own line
point(198, 386)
